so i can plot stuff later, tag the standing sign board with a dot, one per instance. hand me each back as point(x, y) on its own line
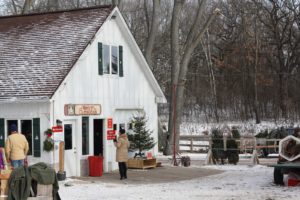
point(57, 129)
point(111, 134)
point(57, 133)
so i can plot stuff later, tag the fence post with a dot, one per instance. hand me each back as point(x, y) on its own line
point(225, 142)
point(192, 146)
point(254, 157)
point(209, 157)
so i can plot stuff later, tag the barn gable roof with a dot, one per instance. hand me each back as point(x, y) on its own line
point(37, 51)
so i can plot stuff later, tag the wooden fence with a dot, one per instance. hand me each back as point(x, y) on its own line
point(245, 144)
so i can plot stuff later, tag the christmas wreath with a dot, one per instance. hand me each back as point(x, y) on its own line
point(48, 142)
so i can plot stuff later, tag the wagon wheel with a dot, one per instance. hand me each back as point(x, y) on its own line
point(278, 176)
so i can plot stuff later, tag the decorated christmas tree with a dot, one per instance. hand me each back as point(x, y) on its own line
point(140, 139)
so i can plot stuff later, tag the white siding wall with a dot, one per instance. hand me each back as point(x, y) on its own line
point(28, 111)
point(116, 94)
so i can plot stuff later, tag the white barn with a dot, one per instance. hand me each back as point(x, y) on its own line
point(78, 68)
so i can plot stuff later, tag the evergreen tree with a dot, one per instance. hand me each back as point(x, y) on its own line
point(218, 146)
point(232, 146)
point(141, 138)
point(232, 152)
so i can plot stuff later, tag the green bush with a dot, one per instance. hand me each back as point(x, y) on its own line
point(232, 153)
point(232, 146)
point(218, 146)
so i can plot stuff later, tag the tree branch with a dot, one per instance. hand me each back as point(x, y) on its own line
point(188, 53)
point(193, 31)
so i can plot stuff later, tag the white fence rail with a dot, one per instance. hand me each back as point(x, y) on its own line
point(202, 143)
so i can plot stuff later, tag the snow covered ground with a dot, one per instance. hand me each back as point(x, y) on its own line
point(241, 182)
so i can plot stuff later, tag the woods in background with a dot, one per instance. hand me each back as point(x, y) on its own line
point(245, 65)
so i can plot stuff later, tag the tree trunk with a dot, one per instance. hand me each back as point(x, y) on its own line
point(283, 94)
point(147, 17)
point(153, 32)
point(212, 81)
point(180, 67)
point(256, 111)
point(174, 74)
point(26, 6)
point(53, 5)
point(116, 3)
point(14, 6)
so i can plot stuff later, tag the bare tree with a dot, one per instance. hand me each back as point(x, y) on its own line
point(14, 6)
point(257, 47)
point(52, 5)
point(26, 7)
point(212, 81)
point(284, 38)
point(180, 62)
point(116, 2)
point(153, 31)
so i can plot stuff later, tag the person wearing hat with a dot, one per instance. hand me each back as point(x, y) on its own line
point(16, 147)
point(122, 145)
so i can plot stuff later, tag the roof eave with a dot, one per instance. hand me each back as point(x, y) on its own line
point(14, 101)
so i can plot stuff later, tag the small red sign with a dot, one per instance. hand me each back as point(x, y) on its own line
point(109, 123)
point(111, 134)
point(149, 155)
point(57, 129)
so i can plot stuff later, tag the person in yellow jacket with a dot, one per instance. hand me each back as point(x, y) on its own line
point(16, 147)
point(122, 145)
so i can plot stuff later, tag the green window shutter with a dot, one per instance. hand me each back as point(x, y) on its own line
point(2, 135)
point(100, 59)
point(36, 138)
point(121, 73)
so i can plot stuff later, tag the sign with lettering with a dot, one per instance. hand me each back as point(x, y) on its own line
point(82, 109)
point(57, 129)
point(109, 123)
point(111, 134)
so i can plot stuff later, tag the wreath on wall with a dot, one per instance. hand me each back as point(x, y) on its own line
point(48, 142)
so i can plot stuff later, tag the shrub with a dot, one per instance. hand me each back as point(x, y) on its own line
point(218, 146)
point(185, 161)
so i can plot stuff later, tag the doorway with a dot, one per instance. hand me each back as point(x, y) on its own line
point(26, 130)
point(70, 148)
point(98, 137)
point(9, 123)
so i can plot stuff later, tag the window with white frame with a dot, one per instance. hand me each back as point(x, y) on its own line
point(110, 59)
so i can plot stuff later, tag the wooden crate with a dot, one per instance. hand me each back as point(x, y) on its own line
point(5, 174)
point(141, 164)
point(44, 192)
point(4, 187)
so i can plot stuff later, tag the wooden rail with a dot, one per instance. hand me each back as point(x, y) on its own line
point(245, 144)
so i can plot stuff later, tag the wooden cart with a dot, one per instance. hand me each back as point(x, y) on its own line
point(141, 163)
point(284, 168)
